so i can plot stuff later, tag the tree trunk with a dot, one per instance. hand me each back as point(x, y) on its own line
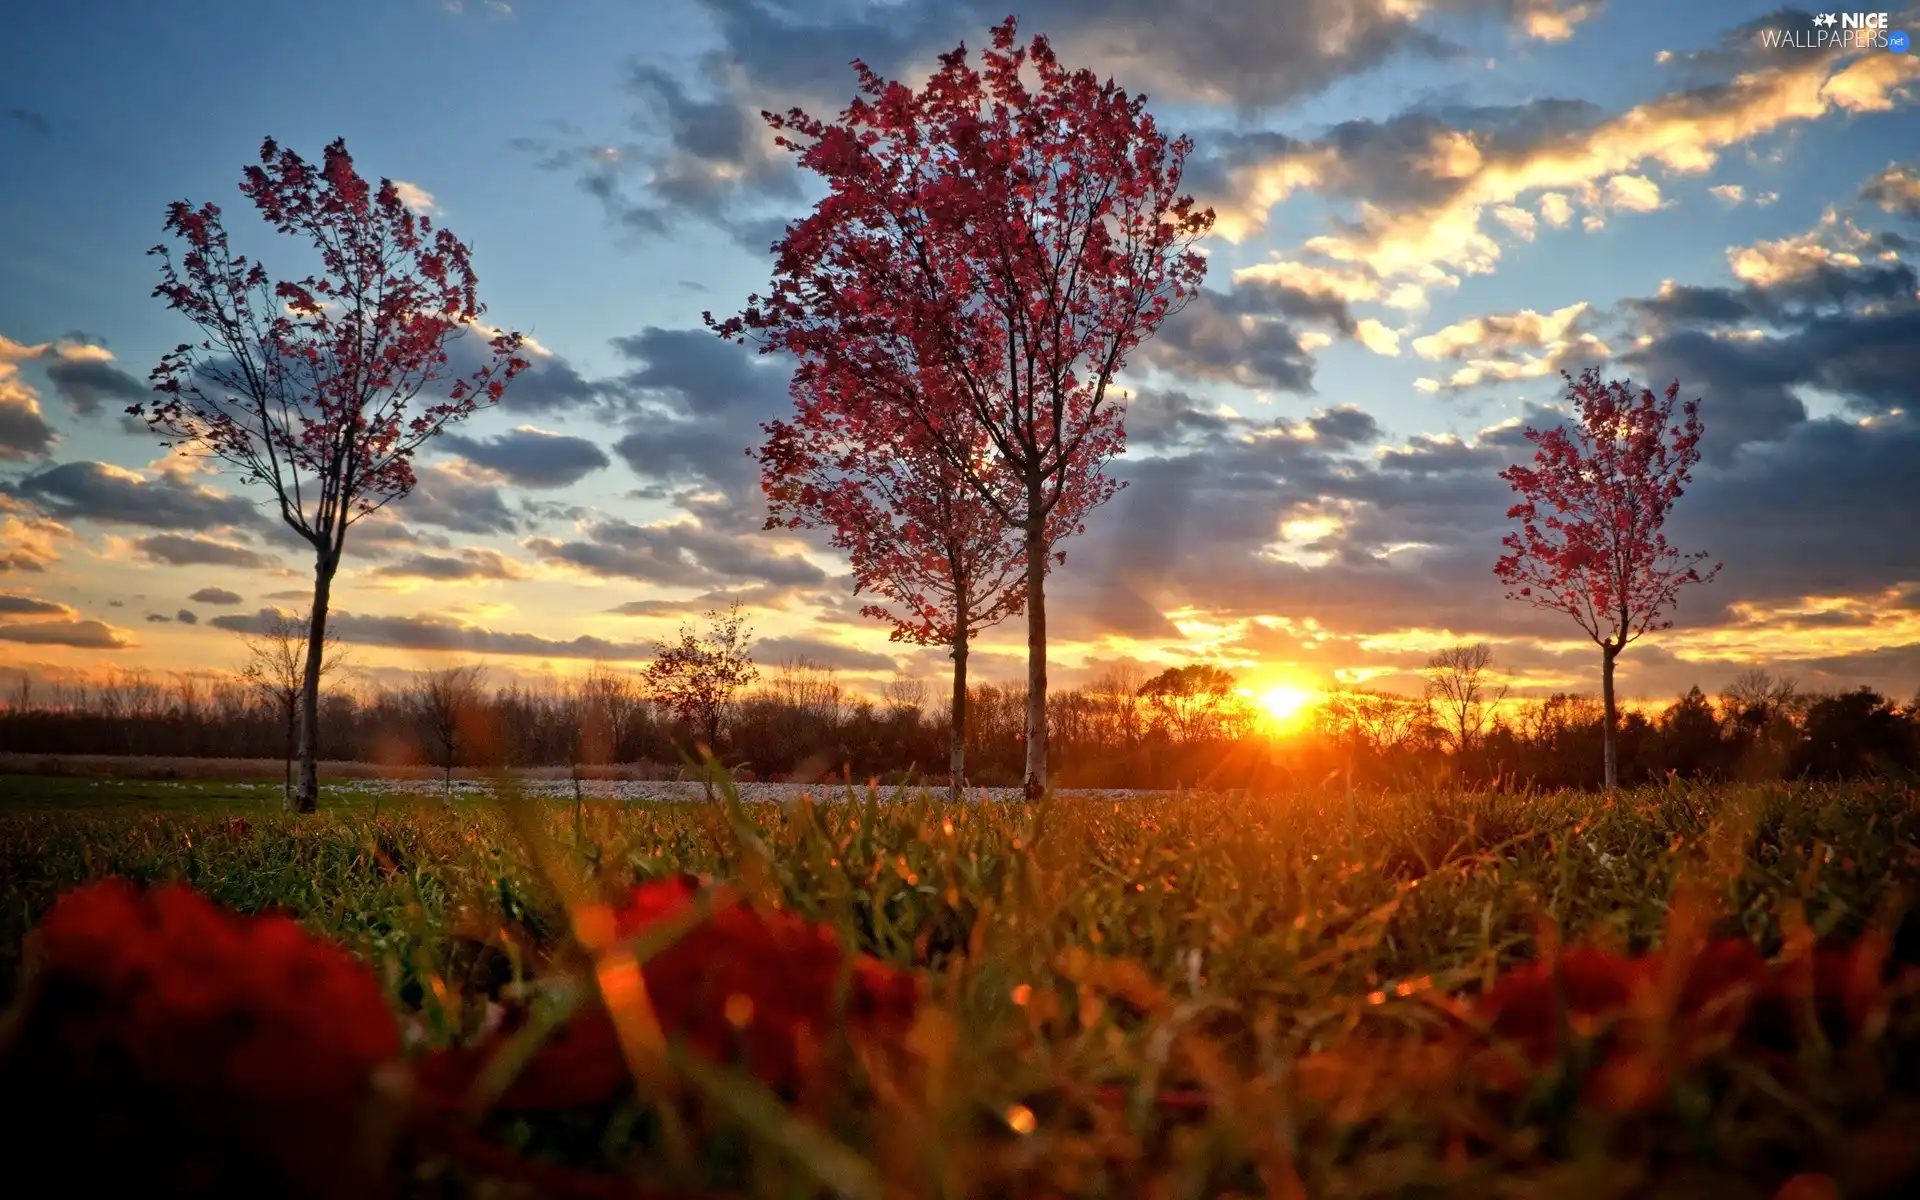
point(308, 798)
point(288, 749)
point(1607, 655)
point(957, 740)
point(1036, 655)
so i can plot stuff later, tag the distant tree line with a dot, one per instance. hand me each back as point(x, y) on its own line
point(1185, 727)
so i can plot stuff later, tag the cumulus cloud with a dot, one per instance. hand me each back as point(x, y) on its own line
point(15, 605)
point(531, 457)
point(97, 491)
point(448, 497)
point(1423, 182)
point(708, 157)
point(215, 595)
point(81, 635)
point(191, 550)
point(676, 554)
point(24, 432)
point(1504, 347)
point(697, 404)
point(29, 541)
point(415, 197)
point(1895, 190)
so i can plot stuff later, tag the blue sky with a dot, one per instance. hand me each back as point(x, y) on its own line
point(1427, 210)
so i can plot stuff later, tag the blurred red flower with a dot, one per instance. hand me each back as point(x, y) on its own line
point(759, 987)
point(164, 1046)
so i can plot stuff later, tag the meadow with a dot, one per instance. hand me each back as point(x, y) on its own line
point(1175, 995)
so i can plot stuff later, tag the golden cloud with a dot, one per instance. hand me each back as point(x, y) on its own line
point(1436, 242)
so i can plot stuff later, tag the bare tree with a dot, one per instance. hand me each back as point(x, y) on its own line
point(1374, 723)
point(608, 710)
point(905, 694)
point(1459, 693)
point(808, 687)
point(448, 700)
point(276, 669)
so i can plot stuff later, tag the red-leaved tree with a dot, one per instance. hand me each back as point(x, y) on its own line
point(1590, 543)
point(943, 563)
point(308, 386)
point(986, 257)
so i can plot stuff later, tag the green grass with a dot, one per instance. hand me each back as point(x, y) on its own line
point(1273, 924)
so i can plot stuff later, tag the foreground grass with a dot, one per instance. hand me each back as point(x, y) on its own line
point(1263, 929)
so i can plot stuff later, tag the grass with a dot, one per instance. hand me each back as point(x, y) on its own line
point(1262, 931)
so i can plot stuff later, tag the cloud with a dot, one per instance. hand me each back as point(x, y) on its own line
point(1232, 337)
point(29, 541)
point(697, 405)
point(549, 384)
point(1729, 194)
point(466, 564)
point(14, 605)
point(757, 597)
point(442, 634)
point(1504, 347)
point(215, 595)
point(189, 550)
point(1247, 54)
point(1424, 181)
point(531, 457)
point(825, 654)
point(33, 122)
point(415, 197)
point(185, 616)
point(680, 554)
point(24, 432)
point(97, 491)
point(82, 635)
point(89, 382)
point(707, 157)
point(448, 498)
point(1831, 309)
point(1896, 189)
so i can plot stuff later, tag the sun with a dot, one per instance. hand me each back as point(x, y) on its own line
point(1285, 703)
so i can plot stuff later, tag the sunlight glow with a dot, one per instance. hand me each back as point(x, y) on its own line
point(1286, 704)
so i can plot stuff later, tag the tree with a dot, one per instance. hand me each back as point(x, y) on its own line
point(307, 386)
point(448, 701)
point(1456, 690)
point(1190, 701)
point(696, 677)
point(276, 668)
point(1590, 542)
point(915, 532)
point(1690, 733)
point(984, 261)
point(1374, 723)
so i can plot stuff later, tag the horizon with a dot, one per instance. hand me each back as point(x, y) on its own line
point(1418, 230)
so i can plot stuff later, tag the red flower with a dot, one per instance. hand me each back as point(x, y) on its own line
point(1524, 1006)
point(167, 1047)
point(759, 986)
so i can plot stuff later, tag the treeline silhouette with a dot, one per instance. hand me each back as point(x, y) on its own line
point(1182, 728)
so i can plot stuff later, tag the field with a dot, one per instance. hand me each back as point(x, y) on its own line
point(1194, 995)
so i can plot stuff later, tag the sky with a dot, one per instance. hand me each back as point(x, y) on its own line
point(1426, 210)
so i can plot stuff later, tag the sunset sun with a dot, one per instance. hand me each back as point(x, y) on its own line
point(1285, 704)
